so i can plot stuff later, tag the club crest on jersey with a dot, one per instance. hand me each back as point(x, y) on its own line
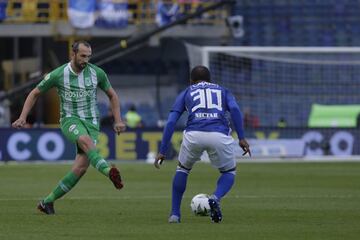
point(87, 81)
point(72, 127)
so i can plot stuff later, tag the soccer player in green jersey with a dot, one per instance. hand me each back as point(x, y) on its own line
point(76, 83)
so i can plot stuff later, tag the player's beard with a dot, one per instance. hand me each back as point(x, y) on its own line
point(79, 66)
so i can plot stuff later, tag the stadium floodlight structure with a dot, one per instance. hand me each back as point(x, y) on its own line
point(283, 82)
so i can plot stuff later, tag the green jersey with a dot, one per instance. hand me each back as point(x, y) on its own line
point(77, 91)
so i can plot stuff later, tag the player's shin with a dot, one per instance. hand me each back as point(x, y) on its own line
point(178, 189)
point(98, 162)
point(64, 186)
point(224, 184)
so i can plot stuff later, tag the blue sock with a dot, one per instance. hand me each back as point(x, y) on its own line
point(224, 184)
point(178, 189)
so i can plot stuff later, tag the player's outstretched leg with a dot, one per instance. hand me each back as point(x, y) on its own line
point(224, 185)
point(178, 189)
point(102, 166)
point(64, 186)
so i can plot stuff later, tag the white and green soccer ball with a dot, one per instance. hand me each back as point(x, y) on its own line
point(200, 204)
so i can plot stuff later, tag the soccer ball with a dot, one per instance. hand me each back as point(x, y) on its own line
point(200, 204)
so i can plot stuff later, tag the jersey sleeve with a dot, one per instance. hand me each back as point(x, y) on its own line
point(179, 105)
point(104, 82)
point(169, 131)
point(236, 114)
point(175, 113)
point(48, 81)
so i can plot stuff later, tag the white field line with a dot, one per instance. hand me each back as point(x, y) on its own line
point(246, 159)
point(168, 197)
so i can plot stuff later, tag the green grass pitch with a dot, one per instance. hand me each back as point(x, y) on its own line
point(268, 201)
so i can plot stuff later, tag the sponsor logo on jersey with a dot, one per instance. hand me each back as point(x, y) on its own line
point(80, 94)
point(206, 115)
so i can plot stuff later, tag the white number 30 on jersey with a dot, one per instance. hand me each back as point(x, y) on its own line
point(207, 98)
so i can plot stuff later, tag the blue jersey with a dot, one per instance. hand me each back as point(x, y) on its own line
point(207, 104)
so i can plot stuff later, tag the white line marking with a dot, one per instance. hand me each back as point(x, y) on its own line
point(168, 197)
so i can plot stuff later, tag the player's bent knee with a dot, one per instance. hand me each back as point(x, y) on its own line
point(85, 142)
point(232, 171)
point(84, 139)
point(79, 171)
point(181, 168)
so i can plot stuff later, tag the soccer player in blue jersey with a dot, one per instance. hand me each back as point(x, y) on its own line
point(207, 129)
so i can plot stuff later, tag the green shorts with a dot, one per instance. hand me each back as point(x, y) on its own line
point(73, 128)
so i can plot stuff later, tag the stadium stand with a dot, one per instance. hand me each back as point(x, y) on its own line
point(299, 23)
point(266, 23)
